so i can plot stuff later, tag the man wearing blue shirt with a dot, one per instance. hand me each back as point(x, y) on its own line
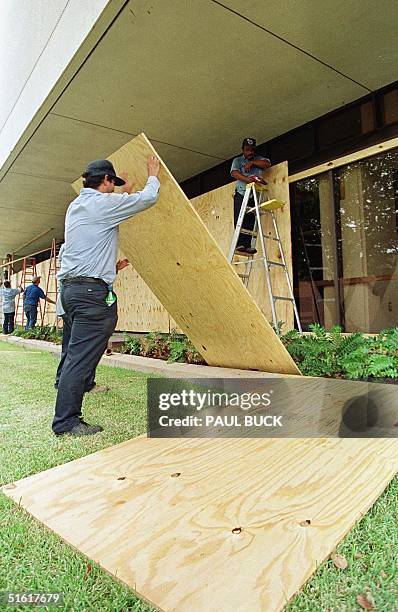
point(87, 273)
point(8, 296)
point(247, 168)
point(33, 293)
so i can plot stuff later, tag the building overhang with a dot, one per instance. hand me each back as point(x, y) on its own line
point(196, 77)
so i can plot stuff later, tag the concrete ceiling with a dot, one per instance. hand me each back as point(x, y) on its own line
point(196, 78)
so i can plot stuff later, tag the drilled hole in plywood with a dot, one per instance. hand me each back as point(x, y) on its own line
point(305, 523)
point(237, 530)
point(121, 478)
point(175, 474)
point(178, 263)
point(203, 347)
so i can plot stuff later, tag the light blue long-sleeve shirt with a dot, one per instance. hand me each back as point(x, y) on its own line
point(8, 295)
point(92, 230)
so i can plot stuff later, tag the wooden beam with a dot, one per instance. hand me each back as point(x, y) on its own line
point(346, 159)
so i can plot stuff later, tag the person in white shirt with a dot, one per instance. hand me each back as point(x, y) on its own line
point(8, 296)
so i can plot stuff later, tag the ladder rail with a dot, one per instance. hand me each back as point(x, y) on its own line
point(52, 270)
point(265, 260)
point(289, 283)
point(238, 228)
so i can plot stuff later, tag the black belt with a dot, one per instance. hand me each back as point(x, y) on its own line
point(79, 280)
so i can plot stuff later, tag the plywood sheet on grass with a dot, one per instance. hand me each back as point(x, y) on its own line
point(175, 254)
point(171, 537)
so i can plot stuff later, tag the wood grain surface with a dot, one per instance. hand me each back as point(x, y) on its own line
point(212, 524)
point(177, 257)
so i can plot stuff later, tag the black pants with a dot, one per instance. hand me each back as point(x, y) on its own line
point(66, 331)
point(248, 220)
point(92, 323)
point(8, 324)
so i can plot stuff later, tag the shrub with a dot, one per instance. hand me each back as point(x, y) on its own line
point(333, 354)
point(131, 345)
point(155, 344)
point(47, 332)
point(174, 347)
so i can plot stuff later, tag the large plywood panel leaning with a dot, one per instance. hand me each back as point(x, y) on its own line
point(175, 254)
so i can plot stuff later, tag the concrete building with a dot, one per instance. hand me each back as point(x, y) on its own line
point(314, 82)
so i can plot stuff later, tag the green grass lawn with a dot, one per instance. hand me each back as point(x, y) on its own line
point(34, 559)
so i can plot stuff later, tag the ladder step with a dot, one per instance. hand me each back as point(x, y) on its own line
point(271, 205)
point(245, 263)
point(280, 297)
point(244, 275)
point(276, 263)
point(248, 232)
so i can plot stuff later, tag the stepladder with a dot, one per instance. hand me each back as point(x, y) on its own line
point(256, 202)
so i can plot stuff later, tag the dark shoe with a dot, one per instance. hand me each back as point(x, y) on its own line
point(241, 250)
point(98, 389)
point(82, 429)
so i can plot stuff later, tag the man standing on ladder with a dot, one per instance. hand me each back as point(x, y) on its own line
point(87, 273)
point(247, 168)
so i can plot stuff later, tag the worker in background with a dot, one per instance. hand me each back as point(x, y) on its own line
point(246, 168)
point(33, 293)
point(8, 296)
point(87, 273)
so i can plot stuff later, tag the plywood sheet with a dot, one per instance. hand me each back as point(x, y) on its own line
point(171, 538)
point(48, 286)
point(175, 254)
point(138, 308)
point(215, 208)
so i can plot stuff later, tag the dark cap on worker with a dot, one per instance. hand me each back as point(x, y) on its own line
point(249, 142)
point(100, 167)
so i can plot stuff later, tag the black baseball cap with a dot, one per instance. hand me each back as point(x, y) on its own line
point(249, 142)
point(100, 167)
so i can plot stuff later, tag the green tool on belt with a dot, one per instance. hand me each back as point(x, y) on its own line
point(111, 297)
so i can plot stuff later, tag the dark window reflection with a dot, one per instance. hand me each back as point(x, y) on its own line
point(345, 230)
